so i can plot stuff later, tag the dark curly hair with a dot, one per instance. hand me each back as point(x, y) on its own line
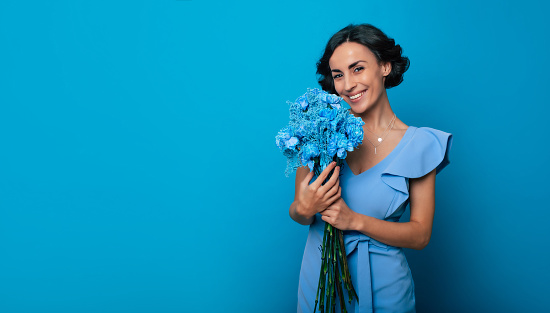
point(383, 47)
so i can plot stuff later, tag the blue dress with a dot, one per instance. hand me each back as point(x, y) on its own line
point(380, 273)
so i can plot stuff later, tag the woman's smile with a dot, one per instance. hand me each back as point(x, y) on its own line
point(358, 96)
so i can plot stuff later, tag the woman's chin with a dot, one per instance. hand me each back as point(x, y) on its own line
point(358, 108)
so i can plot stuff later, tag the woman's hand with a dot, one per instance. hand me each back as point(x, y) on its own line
point(315, 197)
point(340, 215)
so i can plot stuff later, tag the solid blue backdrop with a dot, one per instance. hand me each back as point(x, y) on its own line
point(139, 171)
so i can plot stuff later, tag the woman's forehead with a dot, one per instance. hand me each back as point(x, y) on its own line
point(349, 53)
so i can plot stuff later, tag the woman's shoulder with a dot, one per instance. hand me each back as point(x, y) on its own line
point(426, 149)
point(429, 136)
point(430, 130)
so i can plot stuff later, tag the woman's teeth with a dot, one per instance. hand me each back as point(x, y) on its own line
point(357, 96)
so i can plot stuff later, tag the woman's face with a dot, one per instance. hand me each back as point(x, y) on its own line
point(357, 76)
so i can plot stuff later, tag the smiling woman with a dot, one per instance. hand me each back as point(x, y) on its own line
point(395, 168)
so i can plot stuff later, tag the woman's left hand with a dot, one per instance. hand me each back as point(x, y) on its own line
point(339, 215)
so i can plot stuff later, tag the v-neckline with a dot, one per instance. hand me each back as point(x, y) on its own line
point(401, 142)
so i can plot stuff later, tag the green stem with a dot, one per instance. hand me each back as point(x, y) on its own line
point(349, 284)
point(323, 261)
point(340, 292)
point(334, 270)
point(329, 264)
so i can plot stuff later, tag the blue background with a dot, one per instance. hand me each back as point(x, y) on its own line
point(139, 172)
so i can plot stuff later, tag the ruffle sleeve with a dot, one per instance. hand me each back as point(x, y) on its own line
point(427, 149)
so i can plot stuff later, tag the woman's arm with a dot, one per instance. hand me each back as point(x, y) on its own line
point(300, 219)
point(414, 234)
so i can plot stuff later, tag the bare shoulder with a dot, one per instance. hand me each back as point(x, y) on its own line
point(398, 130)
point(400, 126)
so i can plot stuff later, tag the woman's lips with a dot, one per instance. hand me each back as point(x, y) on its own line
point(358, 96)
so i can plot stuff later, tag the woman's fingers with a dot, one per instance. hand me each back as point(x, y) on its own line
point(308, 178)
point(335, 197)
point(316, 196)
point(333, 190)
point(332, 181)
point(324, 175)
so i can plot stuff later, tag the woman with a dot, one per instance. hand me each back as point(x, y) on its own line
point(395, 165)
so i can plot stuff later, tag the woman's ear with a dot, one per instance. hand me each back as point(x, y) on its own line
point(387, 68)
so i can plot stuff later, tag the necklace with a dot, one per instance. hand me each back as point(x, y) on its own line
point(381, 138)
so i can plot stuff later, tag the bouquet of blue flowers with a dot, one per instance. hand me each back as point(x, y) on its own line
point(321, 131)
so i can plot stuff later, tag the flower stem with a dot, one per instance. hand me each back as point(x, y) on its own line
point(334, 270)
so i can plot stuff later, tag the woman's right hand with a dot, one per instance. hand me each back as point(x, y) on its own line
point(315, 197)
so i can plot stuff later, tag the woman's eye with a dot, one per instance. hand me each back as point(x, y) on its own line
point(357, 69)
point(336, 76)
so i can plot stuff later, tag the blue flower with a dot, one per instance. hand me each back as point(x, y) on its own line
point(338, 144)
point(314, 91)
point(354, 130)
point(309, 152)
point(291, 143)
point(342, 144)
point(302, 102)
point(285, 140)
point(329, 114)
point(338, 121)
point(331, 99)
point(282, 137)
point(332, 146)
point(301, 131)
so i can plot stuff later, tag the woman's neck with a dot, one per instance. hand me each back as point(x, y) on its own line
point(378, 117)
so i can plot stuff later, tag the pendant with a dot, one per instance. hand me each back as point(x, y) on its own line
point(379, 139)
point(374, 150)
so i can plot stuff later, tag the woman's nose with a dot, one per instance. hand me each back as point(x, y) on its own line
point(349, 83)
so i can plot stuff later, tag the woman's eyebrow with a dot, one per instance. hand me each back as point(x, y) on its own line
point(350, 66)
